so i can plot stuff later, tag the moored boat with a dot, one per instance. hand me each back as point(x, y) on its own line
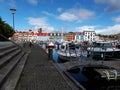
point(68, 53)
point(94, 76)
point(103, 50)
point(96, 72)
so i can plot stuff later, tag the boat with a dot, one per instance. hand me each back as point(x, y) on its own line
point(94, 76)
point(51, 45)
point(68, 52)
point(96, 71)
point(103, 50)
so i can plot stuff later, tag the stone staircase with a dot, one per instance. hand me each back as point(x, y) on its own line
point(12, 61)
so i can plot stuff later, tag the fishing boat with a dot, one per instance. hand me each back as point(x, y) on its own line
point(103, 50)
point(68, 52)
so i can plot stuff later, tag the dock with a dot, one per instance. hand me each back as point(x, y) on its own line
point(40, 73)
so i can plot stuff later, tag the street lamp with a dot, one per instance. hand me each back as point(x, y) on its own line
point(13, 12)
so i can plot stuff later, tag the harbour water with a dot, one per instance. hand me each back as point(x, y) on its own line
point(82, 80)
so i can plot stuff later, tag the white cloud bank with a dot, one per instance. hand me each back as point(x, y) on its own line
point(110, 30)
point(40, 23)
point(76, 15)
point(115, 29)
point(82, 28)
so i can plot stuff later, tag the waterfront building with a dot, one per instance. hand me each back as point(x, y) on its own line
point(79, 36)
point(43, 36)
point(89, 36)
point(26, 36)
point(15, 36)
point(56, 36)
point(23, 36)
point(70, 36)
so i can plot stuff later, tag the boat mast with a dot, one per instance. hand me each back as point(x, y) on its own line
point(62, 34)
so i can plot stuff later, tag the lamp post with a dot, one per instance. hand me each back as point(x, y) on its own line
point(13, 12)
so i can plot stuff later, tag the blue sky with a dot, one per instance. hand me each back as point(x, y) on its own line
point(103, 16)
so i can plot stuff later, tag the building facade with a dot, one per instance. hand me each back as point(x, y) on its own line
point(70, 36)
point(56, 36)
point(89, 36)
point(79, 36)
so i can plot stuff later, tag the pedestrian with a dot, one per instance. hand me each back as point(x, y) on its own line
point(24, 44)
point(30, 44)
point(50, 53)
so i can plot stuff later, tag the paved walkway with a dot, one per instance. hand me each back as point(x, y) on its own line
point(39, 73)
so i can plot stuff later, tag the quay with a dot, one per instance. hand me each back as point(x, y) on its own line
point(30, 68)
point(40, 73)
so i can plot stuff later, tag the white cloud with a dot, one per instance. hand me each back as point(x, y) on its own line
point(76, 15)
point(111, 5)
point(33, 2)
point(116, 19)
point(40, 23)
point(67, 16)
point(50, 29)
point(48, 14)
point(37, 21)
point(82, 28)
point(115, 29)
point(59, 9)
point(109, 30)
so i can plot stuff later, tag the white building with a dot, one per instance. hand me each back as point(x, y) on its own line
point(89, 36)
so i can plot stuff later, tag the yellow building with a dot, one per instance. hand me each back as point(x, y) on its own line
point(70, 36)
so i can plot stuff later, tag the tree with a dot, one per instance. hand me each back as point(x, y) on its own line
point(5, 29)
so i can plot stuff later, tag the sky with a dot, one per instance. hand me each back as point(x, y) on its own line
point(103, 16)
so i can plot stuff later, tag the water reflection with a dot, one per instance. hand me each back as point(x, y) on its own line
point(55, 55)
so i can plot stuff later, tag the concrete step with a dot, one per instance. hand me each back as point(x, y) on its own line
point(6, 47)
point(6, 59)
point(7, 51)
point(13, 78)
point(6, 69)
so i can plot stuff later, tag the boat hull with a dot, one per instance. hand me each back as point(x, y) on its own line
point(111, 55)
point(65, 56)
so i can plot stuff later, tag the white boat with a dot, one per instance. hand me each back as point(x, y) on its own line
point(51, 45)
point(65, 53)
point(103, 50)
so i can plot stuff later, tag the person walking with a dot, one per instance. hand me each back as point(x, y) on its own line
point(30, 44)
